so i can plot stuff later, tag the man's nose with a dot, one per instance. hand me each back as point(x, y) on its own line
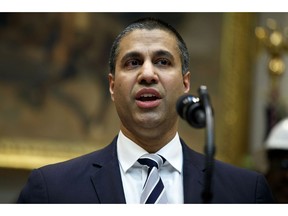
point(148, 74)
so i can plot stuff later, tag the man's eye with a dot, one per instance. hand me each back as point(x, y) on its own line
point(163, 62)
point(132, 63)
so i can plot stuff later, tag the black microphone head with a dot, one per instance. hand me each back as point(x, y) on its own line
point(191, 110)
point(182, 103)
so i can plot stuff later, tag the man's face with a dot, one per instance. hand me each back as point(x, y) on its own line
point(148, 81)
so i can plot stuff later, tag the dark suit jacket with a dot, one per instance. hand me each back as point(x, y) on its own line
point(96, 178)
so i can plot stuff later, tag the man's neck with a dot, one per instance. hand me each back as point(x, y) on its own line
point(148, 142)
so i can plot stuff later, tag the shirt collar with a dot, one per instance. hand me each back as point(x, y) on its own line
point(129, 152)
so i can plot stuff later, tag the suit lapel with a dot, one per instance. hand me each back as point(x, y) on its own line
point(193, 175)
point(107, 178)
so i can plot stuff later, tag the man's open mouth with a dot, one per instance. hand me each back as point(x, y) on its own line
point(148, 98)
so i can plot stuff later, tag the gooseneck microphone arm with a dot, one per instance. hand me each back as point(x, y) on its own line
point(199, 114)
point(209, 148)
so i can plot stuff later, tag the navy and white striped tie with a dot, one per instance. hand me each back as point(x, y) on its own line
point(153, 189)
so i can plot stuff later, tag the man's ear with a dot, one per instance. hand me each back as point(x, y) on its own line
point(111, 85)
point(186, 82)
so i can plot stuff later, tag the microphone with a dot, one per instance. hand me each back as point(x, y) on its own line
point(190, 109)
point(199, 114)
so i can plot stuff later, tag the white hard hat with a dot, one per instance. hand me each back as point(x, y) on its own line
point(278, 136)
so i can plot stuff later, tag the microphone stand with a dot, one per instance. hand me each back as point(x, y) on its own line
point(209, 148)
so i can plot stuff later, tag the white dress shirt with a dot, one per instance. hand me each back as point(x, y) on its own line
point(134, 175)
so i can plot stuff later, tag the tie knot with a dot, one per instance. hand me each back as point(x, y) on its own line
point(152, 160)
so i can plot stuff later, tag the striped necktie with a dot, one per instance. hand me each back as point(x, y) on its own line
point(153, 189)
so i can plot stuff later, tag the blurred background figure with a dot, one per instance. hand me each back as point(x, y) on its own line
point(277, 156)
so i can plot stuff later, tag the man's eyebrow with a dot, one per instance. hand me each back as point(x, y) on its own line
point(164, 53)
point(129, 55)
point(135, 54)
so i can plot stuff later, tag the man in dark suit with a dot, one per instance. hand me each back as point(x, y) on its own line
point(149, 71)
